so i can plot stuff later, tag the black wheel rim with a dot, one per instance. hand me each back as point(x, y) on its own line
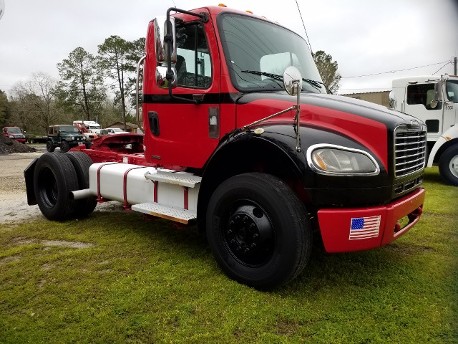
point(48, 188)
point(249, 234)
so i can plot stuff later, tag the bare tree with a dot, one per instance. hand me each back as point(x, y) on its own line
point(34, 104)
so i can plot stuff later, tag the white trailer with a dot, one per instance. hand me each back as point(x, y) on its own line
point(433, 99)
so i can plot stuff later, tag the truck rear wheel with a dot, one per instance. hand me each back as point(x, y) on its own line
point(81, 162)
point(49, 146)
point(54, 177)
point(448, 165)
point(258, 231)
point(64, 146)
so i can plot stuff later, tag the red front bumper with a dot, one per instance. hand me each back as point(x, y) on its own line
point(345, 230)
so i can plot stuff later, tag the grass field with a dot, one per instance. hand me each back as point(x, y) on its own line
point(116, 278)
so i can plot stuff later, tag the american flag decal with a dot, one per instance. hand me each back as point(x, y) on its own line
point(364, 227)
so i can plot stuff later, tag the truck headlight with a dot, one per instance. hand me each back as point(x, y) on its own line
point(343, 161)
point(72, 138)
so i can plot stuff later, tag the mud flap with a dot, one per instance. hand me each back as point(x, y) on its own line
point(28, 175)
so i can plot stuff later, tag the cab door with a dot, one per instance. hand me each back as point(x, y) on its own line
point(183, 130)
point(419, 97)
point(450, 104)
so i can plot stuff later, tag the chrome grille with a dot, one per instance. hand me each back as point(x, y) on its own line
point(409, 150)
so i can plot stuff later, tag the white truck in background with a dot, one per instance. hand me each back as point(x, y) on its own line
point(88, 128)
point(434, 100)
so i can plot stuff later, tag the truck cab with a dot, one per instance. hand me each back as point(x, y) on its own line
point(433, 100)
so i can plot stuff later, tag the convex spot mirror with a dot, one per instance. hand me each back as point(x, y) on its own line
point(292, 80)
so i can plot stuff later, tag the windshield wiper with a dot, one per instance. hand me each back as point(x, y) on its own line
point(315, 83)
point(275, 77)
point(269, 75)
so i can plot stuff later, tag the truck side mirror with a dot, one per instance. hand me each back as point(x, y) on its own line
point(170, 40)
point(165, 41)
point(432, 98)
point(158, 45)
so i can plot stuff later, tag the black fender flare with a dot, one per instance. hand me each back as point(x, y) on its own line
point(247, 152)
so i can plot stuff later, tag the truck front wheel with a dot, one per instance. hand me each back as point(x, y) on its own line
point(448, 165)
point(258, 231)
point(53, 179)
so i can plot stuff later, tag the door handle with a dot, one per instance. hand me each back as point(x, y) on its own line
point(153, 119)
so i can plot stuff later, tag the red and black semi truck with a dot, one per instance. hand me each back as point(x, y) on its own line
point(241, 137)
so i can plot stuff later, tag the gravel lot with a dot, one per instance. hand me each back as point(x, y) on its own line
point(13, 198)
point(13, 206)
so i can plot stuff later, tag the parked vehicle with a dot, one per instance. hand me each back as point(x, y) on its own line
point(434, 100)
point(88, 128)
point(65, 137)
point(31, 138)
point(14, 133)
point(115, 131)
point(241, 138)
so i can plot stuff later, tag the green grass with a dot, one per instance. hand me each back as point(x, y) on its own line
point(150, 281)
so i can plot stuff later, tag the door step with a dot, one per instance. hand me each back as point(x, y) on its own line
point(178, 178)
point(179, 215)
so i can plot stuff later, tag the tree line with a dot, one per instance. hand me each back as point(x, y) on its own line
point(90, 87)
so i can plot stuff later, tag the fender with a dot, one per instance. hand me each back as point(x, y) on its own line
point(450, 135)
point(245, 151)
point(241, 152)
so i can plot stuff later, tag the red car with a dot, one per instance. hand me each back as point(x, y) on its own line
point(14, 133)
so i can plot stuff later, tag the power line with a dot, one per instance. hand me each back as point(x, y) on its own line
point(449, 62)
point(303, 24)
point(396, 70)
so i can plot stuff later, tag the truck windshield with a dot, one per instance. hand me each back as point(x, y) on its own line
point(258, 52)
point(452, 90)
point(14, 130)
point(68, 129)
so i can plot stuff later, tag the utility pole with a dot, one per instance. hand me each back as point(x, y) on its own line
point(455, 65)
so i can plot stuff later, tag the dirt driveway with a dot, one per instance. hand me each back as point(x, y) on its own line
point(13, 204)
point(13, 199)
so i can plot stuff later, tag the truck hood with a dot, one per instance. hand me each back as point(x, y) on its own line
point(366, 123)
point(315, 102)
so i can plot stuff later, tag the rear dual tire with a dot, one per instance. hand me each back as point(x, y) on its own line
point(55, 176)
point(81, 162)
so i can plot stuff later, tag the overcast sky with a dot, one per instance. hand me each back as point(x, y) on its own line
point(364, 37)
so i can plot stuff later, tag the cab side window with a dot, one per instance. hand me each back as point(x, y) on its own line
point(422, 94)
point(193, 64)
